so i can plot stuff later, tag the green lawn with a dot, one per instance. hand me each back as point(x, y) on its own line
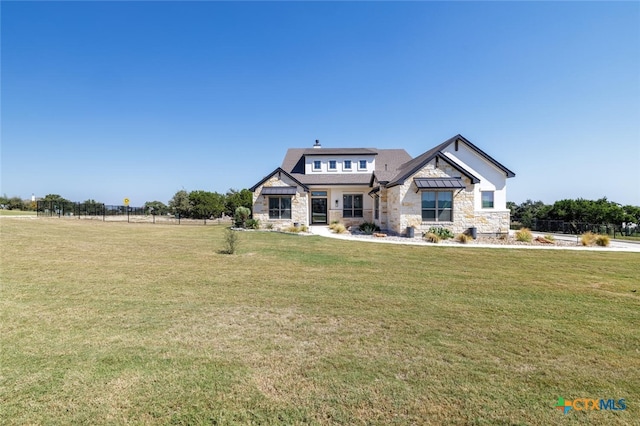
point(115, 323)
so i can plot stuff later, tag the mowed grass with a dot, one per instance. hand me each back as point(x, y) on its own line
point(116, 323)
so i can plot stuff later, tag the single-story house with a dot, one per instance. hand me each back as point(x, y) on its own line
point(454, 185)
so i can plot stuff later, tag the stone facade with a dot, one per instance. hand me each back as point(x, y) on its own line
point(299, 204)
point(404, 206)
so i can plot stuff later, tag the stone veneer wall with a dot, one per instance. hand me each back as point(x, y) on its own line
point(404, 206)
point(299, 204)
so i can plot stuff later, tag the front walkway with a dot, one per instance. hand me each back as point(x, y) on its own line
point(615, 245)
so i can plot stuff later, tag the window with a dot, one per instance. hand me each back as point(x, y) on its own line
point(487, 199)
point(352, 205)
point(279, 207)
point(362, 164)
point(437, 206)
point(347, 164)
point(332, 164)
point(316, 165)
point(376, 208)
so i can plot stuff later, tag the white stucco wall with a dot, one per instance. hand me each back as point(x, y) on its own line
point(339, 159)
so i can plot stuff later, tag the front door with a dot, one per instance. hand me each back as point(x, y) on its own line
point(319, 211)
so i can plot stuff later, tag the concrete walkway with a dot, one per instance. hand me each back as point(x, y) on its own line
point(615, 245)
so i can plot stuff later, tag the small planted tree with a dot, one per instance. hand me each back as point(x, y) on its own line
point(230, 241)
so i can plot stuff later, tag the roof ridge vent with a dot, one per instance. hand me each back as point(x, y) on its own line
point(317, 144)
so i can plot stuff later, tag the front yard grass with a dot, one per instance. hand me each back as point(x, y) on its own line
point(150, 324)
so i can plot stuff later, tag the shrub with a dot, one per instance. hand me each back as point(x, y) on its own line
point(339, 228)
point(240, 216)
point(369, 228)
point(463, 238)
point(524, 235)
point(602, 240)
point(293, 229)
point(432, 237)
point(443, 233)
point(588, 238)
point(269, 226)
point(549, 238)
point(304, 228)
point(252, 224)
point(230, 241)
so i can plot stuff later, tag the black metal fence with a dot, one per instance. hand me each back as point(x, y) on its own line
point(55, 208)
point(105, 213)
point(577, 228)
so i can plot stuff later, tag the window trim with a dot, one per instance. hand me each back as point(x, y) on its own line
point(360, 165)
point(436, 209)
point(344, 165)
point(492, 201)
point(280, 210)
point(353, 210)
point(317, 162)
point(335, 165)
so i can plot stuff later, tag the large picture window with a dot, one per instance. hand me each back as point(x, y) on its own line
point(279, 207)
point(352, 205)
point(437, 206)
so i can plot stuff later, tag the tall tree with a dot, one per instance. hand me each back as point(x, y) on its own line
point(205, 204)
point(235, 199)
point(156, 207)
point(179, 204)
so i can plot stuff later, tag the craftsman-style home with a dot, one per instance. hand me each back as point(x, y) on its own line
point(454, 185)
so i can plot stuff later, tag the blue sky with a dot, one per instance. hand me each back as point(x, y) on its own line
point(107, 100)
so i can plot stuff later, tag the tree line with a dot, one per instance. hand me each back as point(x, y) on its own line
point(596, 212)
point(187, 204)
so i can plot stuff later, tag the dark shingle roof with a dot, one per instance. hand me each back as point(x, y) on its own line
point(387, 162)
point(393, 166)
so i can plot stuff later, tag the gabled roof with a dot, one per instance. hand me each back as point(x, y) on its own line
point(393, 166)
point(279, 170)
point(480, 152)
point(413, 166)
point(409, 168)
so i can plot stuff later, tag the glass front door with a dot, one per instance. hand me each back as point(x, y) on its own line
point(319, 211)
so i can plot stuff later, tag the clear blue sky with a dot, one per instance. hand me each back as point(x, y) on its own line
point(106, 100)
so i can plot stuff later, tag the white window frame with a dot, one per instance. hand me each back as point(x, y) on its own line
point(318, 163)
point(360, 165)
point(335, 165)
point(344, 165)
point(492, 201)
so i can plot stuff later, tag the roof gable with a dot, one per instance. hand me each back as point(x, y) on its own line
point(279, 170)
point(411, 167)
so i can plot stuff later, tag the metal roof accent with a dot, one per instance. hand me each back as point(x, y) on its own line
point(439, 183)
point(278, 190)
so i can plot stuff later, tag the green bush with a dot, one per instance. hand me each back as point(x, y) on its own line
point(240, 217)
point(443, 233)
point(524, 235)
point(252, 224)
point(369, 228)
